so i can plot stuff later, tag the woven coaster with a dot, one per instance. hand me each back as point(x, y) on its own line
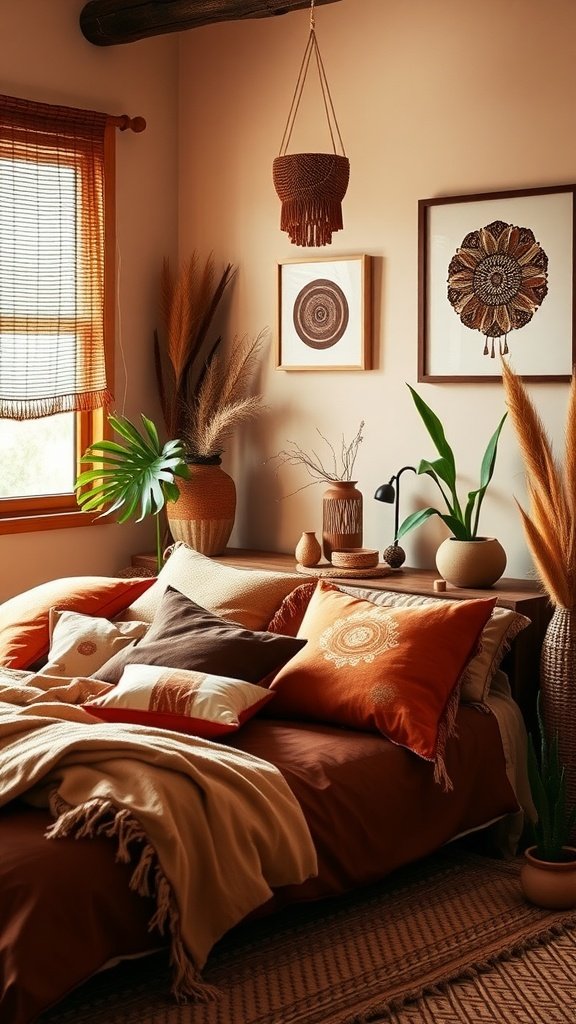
point(330, 571)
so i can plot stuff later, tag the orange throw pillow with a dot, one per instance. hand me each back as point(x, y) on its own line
point(24, 619)
point(391, 670)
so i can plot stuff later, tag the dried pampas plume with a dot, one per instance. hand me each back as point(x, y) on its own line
point(550, 523)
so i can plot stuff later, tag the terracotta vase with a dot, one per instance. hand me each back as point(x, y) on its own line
point(308, 551)
point(557, 674)
point(341, 517)
point(549, 884)
point(203, 516)
point(471, 563)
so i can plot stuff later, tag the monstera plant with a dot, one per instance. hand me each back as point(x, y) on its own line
point(136, 476)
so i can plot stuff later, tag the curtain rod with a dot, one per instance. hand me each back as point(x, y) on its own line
point(123, 121)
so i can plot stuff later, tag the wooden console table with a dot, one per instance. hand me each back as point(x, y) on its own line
point(525, 596)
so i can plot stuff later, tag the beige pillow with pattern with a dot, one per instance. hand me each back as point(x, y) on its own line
point(80, 644)
point(247, 596)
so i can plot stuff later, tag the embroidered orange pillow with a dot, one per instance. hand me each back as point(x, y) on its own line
point(390, 670)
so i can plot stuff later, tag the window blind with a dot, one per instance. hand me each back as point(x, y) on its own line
point(52, 354)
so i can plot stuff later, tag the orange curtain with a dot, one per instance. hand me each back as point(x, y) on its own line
point(52, 354)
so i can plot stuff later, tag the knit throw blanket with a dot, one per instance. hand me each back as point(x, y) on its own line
point(210, 830)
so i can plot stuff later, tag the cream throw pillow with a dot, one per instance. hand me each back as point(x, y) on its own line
point(498, 633)
point(247, 596)
point(80, 644)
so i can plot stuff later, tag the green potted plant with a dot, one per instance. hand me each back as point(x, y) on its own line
point(548, 876)
point(465, 558)
point(136, 476)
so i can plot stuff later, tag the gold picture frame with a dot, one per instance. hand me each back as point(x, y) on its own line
point(324, 313)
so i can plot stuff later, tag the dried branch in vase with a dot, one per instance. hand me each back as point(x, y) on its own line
point(341, 465)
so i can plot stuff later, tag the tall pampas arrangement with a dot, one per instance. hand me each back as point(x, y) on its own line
point(204, 393)
point(550, 523)
point(550, 530)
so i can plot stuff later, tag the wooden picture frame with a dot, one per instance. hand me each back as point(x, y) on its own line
point(324, 313)
point(457, 280)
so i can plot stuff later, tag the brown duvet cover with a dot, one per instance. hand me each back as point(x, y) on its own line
point(66, 907)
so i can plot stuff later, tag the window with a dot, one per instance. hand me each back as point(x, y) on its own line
point(56, 316)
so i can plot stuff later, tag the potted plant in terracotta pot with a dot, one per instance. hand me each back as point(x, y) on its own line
point(548, 876)
point(465, 559)
point(205, 395)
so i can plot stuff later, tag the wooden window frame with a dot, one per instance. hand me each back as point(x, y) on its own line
point(60, 511)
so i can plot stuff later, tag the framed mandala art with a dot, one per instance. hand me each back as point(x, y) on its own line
point(324, 313)
point(496, 279)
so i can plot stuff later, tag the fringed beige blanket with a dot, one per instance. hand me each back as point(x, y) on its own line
point(210, 830)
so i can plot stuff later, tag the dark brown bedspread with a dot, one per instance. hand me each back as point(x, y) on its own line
point(66, 907)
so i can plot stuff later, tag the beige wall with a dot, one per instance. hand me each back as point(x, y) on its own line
point(433, 97)
point(46, 57)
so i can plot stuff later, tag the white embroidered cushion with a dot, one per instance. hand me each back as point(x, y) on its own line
point(81, 644)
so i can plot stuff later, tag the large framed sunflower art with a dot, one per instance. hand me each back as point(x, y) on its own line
point(496, 280)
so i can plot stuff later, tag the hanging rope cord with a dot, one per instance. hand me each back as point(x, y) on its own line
point(312, 48)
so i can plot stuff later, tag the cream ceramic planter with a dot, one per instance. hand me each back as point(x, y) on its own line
point(549, 884)
point(471, 563)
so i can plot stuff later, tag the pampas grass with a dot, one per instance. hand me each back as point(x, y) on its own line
point(203, 393)
point(550, 523)
point(222, 403)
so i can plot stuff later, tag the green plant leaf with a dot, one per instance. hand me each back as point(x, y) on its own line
point(131, 479)
point(436, 432)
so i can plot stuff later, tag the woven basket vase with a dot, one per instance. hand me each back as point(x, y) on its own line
point(558, 686)
point(311, 187)
point(203, 516)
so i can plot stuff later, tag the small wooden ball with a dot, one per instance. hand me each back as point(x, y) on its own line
point(394, 556)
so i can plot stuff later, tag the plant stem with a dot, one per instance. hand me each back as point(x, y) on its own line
point(158, 544)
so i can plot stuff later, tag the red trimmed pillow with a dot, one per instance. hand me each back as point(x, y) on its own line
point(391, 670)
point(192, 702)
point(24, 619)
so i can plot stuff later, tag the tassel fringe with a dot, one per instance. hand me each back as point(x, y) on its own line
point(101, 817)
point(311, 221)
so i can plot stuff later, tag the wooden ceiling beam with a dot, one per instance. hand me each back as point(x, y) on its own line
point(109, 22)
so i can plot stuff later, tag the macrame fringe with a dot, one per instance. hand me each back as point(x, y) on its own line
point(37, 408)
point(446, 730)
point(293, 608)
point(311, 221)
point(100, 817)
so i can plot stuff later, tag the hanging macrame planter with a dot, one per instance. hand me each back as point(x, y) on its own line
point(311, 186)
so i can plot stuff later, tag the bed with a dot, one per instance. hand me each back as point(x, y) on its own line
point(354, 778)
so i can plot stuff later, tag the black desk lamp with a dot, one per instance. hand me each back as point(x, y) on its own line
point(394, 555)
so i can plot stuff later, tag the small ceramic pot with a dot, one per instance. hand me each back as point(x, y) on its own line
point(549, 884)
point(308, 551)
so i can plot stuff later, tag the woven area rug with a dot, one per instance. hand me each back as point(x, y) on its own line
point(363, 958)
